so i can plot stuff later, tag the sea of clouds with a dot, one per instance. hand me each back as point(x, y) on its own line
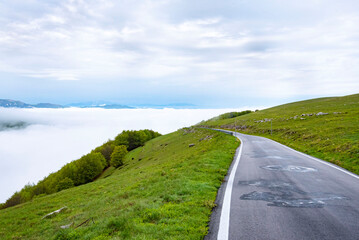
point(55, 137)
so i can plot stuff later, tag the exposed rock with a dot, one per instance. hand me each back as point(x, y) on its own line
point(209, 137)
point(51, 214)
point(307, 114)
point(264, 120)
point(67, 226)
point(188, 130)
point(191, 145)
point(321, 114)
point(302, 118)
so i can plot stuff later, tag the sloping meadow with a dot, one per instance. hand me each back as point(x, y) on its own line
point(164, 190)
point(327, 128)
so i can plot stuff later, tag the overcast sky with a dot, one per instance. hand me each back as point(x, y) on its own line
point(208, 53)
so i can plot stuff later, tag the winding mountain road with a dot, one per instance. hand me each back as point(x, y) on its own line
point(275, 192)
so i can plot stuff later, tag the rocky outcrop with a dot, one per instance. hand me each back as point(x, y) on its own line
point(51, 214)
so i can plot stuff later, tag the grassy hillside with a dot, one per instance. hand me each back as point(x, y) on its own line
point(86, 169)
point(165, 190)
point(332, 135)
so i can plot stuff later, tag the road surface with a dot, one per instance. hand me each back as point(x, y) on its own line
point(274, 192)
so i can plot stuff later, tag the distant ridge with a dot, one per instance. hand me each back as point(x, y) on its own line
point(47, 105)
point(99, 104)
point(171, 105)
point(8, 103)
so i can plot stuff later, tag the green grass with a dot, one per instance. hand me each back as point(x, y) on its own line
point(333, 137)
point(165, 190)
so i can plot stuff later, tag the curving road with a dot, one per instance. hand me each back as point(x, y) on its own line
point(274, 192)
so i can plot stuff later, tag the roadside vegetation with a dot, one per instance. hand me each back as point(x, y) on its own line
point(230, 115)
point(165, 189)
point(86, 169)
point(327, 128)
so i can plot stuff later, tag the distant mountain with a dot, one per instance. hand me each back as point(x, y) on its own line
point(47, 105)
point(170, 105)
point(115, 106)
point(87, 104)
point(99, 104)
point(7, 103)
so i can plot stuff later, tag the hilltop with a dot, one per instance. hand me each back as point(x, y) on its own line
point(327, 128)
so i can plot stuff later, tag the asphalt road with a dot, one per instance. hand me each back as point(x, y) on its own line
point(274, 192)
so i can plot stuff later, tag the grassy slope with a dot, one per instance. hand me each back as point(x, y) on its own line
point(332, 137)
point(166, 190)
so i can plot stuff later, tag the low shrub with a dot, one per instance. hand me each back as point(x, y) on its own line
point(65, 184)
point(118, 155)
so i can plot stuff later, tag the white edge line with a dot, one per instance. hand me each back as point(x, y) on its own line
point(223, 230)
point(319, 160)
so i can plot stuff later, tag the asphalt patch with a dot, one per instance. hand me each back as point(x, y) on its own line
point(289, 168)
point(277, 186)
point(284, 194)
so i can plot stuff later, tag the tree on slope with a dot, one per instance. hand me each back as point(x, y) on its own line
point(118, 155)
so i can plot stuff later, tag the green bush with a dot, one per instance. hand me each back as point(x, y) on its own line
point(118, 155)
point(65, 184)
point(39, 188)
point(15, 199)
point(27, 192)
point(89, 167)
point(233, 114)
point(106, 150)
point(134, 139)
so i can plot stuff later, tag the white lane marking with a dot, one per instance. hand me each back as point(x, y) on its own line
point(318, 160)
point(223, 230)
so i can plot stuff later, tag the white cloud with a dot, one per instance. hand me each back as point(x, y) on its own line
point(282, 44)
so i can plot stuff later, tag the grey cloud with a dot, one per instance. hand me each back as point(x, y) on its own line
point(259, 46)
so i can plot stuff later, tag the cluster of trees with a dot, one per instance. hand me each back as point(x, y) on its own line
point(86, 169)
point(135, 139)
point(233, 114)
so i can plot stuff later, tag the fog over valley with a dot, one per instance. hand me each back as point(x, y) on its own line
point(36, 142)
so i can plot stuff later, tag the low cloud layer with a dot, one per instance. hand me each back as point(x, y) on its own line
point(58, 136)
